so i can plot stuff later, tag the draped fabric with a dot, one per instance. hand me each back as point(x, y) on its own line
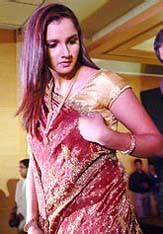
point(81, 186)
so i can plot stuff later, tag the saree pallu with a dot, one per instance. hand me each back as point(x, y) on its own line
point(81, 186)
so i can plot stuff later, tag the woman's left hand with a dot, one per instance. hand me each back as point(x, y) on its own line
point(92, 127)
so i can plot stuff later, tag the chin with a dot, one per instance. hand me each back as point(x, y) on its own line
point(65, 71)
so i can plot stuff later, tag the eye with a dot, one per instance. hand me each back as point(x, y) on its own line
point(73, 40)
point(51, 44)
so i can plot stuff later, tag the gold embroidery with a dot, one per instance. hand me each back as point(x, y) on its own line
point(77, 187)
point(65, 151)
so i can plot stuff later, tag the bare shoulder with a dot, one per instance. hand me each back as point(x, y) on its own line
point(88, 71)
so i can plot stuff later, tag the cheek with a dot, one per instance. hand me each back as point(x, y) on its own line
point(53, 52)
point(75, 51)
point(52, 56)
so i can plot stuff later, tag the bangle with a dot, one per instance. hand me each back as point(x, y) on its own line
point(31, 223)
point(132, 145)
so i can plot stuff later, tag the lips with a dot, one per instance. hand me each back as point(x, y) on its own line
point(65, 63)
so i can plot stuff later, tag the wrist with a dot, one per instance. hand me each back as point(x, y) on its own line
point(132, 145)
point(104, 137)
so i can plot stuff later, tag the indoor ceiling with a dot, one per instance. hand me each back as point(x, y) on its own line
point(121, 30)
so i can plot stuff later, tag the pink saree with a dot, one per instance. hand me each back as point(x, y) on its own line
point(81, 187)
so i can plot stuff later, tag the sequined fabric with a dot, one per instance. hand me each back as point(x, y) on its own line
point(81, 186)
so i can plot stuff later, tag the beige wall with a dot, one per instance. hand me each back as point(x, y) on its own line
point(12, 144)
point(11, 147)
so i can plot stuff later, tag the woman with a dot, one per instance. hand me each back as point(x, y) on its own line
point(70, 110)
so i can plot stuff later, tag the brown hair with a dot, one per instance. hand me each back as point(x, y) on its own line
point(34, 70)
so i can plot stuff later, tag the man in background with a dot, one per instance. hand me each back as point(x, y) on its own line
point(18, 213)
point(158, 47)
point(154, 178)
point(139, 184)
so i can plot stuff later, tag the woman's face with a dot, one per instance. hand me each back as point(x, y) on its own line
point(63, 46)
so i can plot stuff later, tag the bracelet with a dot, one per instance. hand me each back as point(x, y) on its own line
point(31, 223)
point(132, 145)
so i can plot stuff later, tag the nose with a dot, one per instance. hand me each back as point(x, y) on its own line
point(65, 51)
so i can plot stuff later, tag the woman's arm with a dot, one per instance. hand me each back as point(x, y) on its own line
point(31, 197)
point(32, 208)
point(127, 109)
point(32, 205)
point(131, 114)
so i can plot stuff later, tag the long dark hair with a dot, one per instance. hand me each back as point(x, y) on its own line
point(157, 44)
point(34, 70)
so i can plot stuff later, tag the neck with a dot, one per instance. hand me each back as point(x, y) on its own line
point(60, 79)
point(63, 82)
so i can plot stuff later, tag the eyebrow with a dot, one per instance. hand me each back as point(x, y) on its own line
point(55, 40)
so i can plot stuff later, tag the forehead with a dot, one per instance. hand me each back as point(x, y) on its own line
point(62, 28)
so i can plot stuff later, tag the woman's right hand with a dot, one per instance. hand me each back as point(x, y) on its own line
point(34, 230)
